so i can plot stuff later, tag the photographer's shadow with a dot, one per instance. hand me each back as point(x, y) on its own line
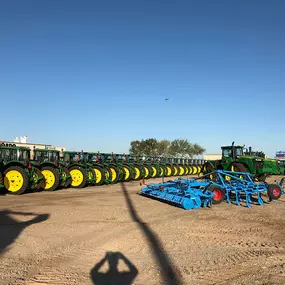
point(113, 276)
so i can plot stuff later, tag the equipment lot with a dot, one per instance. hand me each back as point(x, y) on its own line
point(73, 229)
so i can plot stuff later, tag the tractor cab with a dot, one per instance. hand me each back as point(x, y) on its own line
point(44, 155)
point(8, 154)
point(232, 151)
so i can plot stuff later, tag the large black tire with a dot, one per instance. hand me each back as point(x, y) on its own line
point(1, 179)
point(16, 182)
point(138, 172)
point(237, 167)
point(169, 170)
point(274, 191)
point(114, 174)
point(99, 174)
point(207, 168)
point(128, 173)
point(154, 171)
point(52, 178)
point(66, 181)
point(219, 194)
point(78, 176)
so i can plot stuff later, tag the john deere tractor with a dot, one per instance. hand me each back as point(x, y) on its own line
point(234, 159)
point(20, 173)
point(102, 173)
point(81, 172)
point(55, 171)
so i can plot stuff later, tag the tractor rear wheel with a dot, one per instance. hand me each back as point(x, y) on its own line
point(99, 174)
point(127, 173)
point(148, 172)
point(154, 171)
point(138, 172)
point(190, 172)
point(1, 179)
point(16, 180)
point(65, 177)
point(78, 177)
point(195, 170)
point(51, 177)
point(175, 172)
point(238, 167)
point(114, 174)
point(274, 191)
point(219, 194)
point(168, 170)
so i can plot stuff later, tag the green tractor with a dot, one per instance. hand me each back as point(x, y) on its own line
point(234, 159)
point(81, 172)
point(20, 173)
point(135, 164)
point(102, 173)
point(55, 171)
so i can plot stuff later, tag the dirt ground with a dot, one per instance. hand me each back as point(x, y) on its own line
point(100, 234)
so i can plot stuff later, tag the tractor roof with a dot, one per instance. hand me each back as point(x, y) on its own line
point(46, 150)
point(229, 146)
point(14, 147)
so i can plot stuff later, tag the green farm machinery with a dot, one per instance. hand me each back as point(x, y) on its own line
point(20, 173)
point(234, 159)
point(82, 173)
point(54, 170)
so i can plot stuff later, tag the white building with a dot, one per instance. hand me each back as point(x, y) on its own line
point(212, 156)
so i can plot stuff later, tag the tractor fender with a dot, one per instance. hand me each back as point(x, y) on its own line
point(46, 163)
point(77, 164)
point(16, 163)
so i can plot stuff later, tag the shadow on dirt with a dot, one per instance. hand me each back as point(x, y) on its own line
point(113, 276)
point(12, 228)
point(169, 275)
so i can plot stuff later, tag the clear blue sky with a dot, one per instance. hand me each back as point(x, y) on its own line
point(93, 75)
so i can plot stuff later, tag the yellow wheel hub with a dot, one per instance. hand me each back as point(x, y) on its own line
point(146, 172)
point(154, 171)
point(181, 170)
point(76, 176)
point(175, 170)
point(168, 170)
point(127, 173)
point(13, 181)
point(98, 175)
point(114, 174)
point(195, 170)
point(49, 178)
point(107, 174)
point(137, 175)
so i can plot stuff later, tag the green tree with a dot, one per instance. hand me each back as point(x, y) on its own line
point(175, 148)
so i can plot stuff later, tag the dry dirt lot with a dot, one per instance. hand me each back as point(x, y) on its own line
point(100, 234)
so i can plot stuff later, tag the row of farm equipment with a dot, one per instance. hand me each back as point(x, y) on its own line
point(48, 170)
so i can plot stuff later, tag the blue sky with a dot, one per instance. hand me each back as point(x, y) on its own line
point(93, 75)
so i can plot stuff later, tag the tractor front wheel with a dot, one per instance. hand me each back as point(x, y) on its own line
point(16, 180)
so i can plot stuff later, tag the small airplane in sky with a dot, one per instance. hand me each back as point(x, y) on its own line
point(166, 99)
